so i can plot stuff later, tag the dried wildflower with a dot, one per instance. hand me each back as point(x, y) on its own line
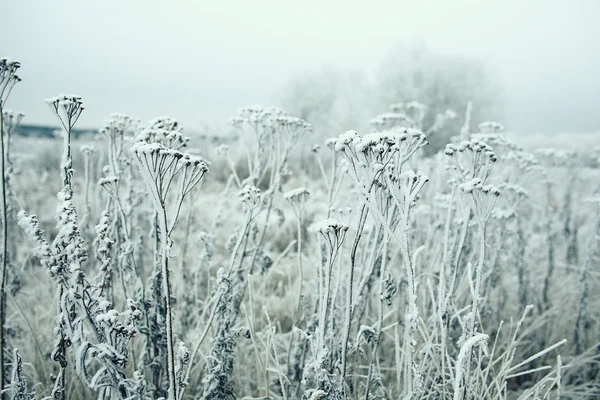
point(370, 154)
point(171, 139)
point(391, 120)
point(68, 109)
point(117, 132)
point(11, 121)
point(250, 196)
point(166, 123)
point(471, 159)
point(299, 195)
point(8, 78)
point(161, 166)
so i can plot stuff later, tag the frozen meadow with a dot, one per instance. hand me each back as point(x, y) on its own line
point(275, 263)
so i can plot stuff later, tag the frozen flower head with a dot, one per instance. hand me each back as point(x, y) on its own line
point(405, 187)
point(165, 131)
point(109, 183)
point(11, 120)
point(8, 78)
point(482, 196)
point(297, 198)
point(160, 166)
point(109, 180)
point(166, 123)
point(257, 115)
point(328, 226)
point(250, 196)
point(298, 195)
point(391, 120)
point(116, 126)
point(491, 127)
point(67, 108)
point(291, 126)
point(512, 196)
point(524, 162)
point(172, 139)
point(471, 159)
point(332, 231)
point(476, 184)
point(344, 140)
point(88, 150)
point(371, 154)
point(501, 143)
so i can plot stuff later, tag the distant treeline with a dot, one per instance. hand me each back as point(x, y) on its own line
point(47, 131)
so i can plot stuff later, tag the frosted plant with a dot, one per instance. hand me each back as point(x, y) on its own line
point(500, 142)
point(86, 320)
point(103, 247)
point(297, 199)
point(471, 159)
point(218, 379)
point(472, 162)
point(268, 135)
point(391, 120)
point(18, 384)
point(11, 121)
point(411, 115)
point(67, 108)
point(462, 364)
point(89, 156)
point(8, 79)
point(333, 234)
point(520, 170)
point(172, 139)
point(115, 131)
point(377, 161)
point(166, 123)
point(161, 168)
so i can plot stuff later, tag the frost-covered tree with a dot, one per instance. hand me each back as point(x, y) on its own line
point(441, 82)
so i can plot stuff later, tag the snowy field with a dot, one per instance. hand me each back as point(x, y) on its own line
point(278, 263)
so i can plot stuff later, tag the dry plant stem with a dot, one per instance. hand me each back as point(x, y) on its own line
point(412, 315)
point(250, 319)
point(172, 391)
point(379, 313)
point(478, 276)
point(4, 254)
point(300, 266)
point(347, 324)
point(300, 279)
point(551, 237)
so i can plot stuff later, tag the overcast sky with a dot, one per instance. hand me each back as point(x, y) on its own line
point(199, 61)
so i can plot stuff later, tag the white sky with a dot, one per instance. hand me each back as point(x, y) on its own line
point(198, 61)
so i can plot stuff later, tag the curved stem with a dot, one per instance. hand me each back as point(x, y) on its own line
point(4, 250)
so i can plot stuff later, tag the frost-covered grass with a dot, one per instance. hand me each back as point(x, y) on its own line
point(271, 266)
